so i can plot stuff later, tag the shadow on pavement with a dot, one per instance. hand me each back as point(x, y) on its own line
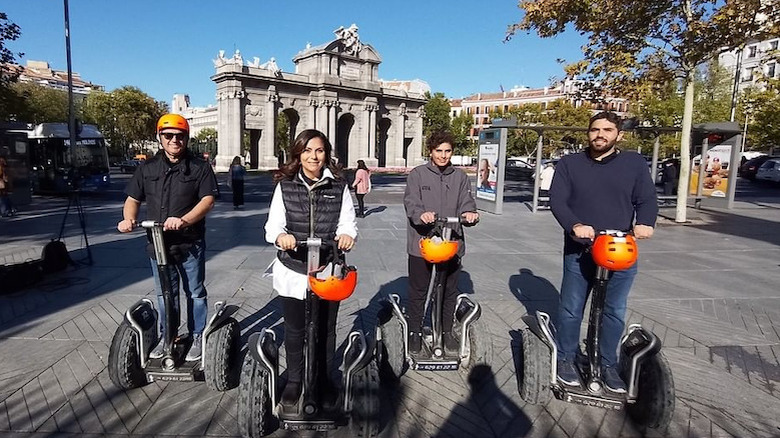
point(534, 292)
point(507, 420)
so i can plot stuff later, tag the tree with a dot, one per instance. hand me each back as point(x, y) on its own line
point(33, 103)
point(760, 108)
point(461, 129)
point(630, 40)
point(282, 139)
point(205, 141)
point(9, 31)
point(126, 116)
point(437, 114)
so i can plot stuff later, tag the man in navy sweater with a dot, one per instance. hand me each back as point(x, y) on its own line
point(601, 188)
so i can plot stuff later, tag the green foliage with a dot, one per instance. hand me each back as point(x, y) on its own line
point(33, 103)
point(437, 114)
point(126, 116)
point(282, 138)
point(461, 128)
point(760, 107)
point(204, 142)
point(9, 31)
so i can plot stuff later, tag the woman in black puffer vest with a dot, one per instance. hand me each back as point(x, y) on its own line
point(310, 200)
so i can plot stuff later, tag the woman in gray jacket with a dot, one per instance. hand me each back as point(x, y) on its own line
point(435, 189)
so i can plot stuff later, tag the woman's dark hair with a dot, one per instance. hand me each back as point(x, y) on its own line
point(293, 165)
point(438, 138)
point(362, 165)
point(608, 116)
point(236, 161)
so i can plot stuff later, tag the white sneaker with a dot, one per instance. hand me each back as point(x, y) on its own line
point(195, 349)
point(157, 351)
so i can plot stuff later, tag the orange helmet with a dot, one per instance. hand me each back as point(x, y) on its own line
point(616, 253)
point(436, 250)
point(335, 287)
point(173, 121)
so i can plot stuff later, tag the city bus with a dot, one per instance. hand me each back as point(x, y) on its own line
point(55, 167)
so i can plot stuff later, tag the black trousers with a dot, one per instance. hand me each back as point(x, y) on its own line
point(361, 206)
point(238, 192)
point(419, 279)
point(295, 332)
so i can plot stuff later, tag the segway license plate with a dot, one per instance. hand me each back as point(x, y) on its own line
point(187, 372)
point(436, 365)
point(587, 400)
point(315, 425)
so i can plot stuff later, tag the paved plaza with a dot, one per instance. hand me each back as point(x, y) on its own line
point(708, 289)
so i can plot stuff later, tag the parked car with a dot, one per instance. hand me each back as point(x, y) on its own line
point(769, 171)
point(517, 169)
point(749, 168)
point(129, 166)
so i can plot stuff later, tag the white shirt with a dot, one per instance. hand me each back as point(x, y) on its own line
point(287, 282)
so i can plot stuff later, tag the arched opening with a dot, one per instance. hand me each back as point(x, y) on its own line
point(286, 130)
point(381, 144)
point(343, 129)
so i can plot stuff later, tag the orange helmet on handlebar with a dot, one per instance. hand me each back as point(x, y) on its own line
point(436, 250)
point(335, 287)
point(173, 121)
point(616, 253)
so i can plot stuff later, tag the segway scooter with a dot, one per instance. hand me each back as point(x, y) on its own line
point(129, 365)
point(259, 409)
point(393, 332)
point(649, 400)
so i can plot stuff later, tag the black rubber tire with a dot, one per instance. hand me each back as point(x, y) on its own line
point(480, 346)
point(534, 384)
point(255, 413)
point(124, 364)
point(392, 359)
point(654, 406)
point(365, 402)
point(221, 350)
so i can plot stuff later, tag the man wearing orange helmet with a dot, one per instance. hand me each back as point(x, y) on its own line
point(601, 188)
point(179, 189)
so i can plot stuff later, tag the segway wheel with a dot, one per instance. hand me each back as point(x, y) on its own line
point(654, 406)
point(534, 385)
point(391, 355)
point(124, 363)
point(255, 412)
point(365, 402)
point(221, 349)
point(480, 345)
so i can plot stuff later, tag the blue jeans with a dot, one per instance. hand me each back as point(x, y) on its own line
point(192, 273)
point(578, 273)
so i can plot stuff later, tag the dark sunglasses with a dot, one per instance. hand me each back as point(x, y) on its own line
point(178, 136)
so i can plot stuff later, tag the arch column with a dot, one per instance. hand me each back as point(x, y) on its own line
point(267, 158)
point(311, 123)
point(370, 107)
point(229, 124)
point(417, 147)
point(400, 134)
point(332, 120)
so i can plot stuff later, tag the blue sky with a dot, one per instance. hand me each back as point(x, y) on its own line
point(165, 47)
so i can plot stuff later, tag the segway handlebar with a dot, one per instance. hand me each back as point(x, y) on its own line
point(443, 220)
point(589, 242)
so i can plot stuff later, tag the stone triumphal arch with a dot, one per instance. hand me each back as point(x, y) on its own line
point(335, 89)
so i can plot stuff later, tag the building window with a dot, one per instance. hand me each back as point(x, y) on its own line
point(772, 46)
point(485, 121)
point(771, 70)
point(747, 74)
point(506, 108)
point(751, 52)
point(468, 110)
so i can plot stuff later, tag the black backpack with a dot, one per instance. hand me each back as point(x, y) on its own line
point(55, 257)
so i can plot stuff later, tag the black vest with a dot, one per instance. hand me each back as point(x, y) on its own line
point(312, 213)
